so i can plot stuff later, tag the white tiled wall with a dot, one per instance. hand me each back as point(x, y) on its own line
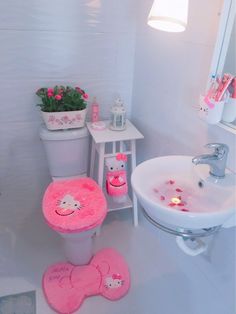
point(43, 43)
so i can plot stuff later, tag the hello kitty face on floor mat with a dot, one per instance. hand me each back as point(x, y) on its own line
point(114, 282)
point(68, 205)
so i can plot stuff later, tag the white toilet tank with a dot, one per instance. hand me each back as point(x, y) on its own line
point(66, 151)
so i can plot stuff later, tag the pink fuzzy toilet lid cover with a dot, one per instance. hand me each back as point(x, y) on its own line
point(76, 205)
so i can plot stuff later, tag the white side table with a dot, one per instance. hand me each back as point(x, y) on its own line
point(117, 141)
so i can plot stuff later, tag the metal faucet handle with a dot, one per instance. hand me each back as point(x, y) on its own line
point(220, 149)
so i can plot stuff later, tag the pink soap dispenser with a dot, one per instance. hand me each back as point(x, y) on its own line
point(95, 111)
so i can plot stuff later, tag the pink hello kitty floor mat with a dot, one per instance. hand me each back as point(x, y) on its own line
point(66, 286)
point(74, 205)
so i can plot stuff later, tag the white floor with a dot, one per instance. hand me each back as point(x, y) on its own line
point(164, 280)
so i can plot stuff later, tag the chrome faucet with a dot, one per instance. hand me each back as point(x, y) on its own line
point(216, 160)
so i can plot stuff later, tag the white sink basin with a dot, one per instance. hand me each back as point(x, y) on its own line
point(173, 191)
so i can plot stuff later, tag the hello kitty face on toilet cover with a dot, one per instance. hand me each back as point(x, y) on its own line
point(74, 205)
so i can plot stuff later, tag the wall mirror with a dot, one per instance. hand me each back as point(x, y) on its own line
point(224, 56)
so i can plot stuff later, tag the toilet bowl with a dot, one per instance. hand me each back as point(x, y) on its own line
point(67, 157)
point(75, 209)
point(78, 247)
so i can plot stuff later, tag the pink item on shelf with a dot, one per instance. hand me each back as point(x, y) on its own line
point(95, 111)
point(74, 205)
point(116, 178)
point(66, 286)
point(116, 183)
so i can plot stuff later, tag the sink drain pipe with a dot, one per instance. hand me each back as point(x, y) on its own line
point(189, 241)
point(197, 247)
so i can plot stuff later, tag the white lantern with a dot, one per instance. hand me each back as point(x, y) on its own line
point(118, 116)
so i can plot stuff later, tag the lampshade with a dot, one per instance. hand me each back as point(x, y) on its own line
point(169, 15)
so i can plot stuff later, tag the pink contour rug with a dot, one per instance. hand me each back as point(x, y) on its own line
point(66, 286)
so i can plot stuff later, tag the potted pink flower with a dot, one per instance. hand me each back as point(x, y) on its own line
point(63, 107)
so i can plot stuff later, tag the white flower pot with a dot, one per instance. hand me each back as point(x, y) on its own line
point(64, 120)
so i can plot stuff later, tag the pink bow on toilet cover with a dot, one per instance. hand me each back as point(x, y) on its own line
point(66, 286)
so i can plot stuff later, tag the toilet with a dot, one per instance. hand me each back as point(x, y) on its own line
point(73, 204)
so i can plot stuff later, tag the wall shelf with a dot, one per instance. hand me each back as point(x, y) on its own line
point(228, 127)
point(113, 206)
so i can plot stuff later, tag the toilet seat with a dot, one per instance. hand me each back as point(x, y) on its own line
point(73, 206)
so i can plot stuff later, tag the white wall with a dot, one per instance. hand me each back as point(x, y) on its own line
point(43, 43)
point(171, 71)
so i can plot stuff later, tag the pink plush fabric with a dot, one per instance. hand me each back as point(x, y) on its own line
point(66, 286)
point(74, 205)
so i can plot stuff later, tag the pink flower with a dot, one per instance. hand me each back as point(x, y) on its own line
point(50, 94)
point(82, 92)
point(58, 97)
point(50, 90)
point(79, 90)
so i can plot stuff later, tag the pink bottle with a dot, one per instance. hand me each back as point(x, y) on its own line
point(95, 111)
